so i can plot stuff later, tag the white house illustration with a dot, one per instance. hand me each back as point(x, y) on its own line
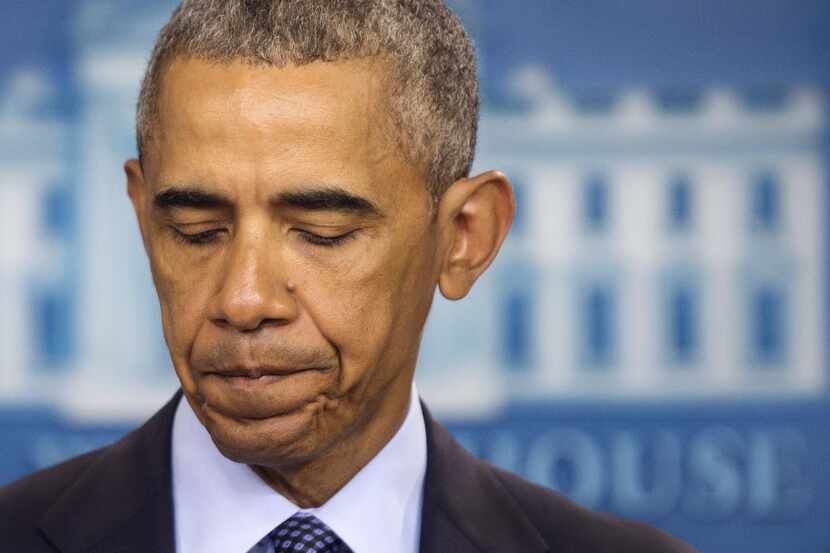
point(35, 333)
point(665, 248)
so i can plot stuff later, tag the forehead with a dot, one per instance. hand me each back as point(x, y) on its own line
point(323, 120)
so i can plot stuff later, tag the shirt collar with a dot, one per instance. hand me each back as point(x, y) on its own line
point(222, 506)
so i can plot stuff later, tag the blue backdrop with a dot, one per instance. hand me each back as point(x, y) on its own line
point(652, 340)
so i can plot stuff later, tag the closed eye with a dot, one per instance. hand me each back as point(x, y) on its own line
point(198, 238)
point(208, 236)
point(326, 241)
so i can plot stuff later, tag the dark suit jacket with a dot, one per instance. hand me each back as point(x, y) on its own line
point(118, 499)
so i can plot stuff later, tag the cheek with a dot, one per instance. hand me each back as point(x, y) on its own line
point(372, 308)
point(184, 289)
point(350, 303)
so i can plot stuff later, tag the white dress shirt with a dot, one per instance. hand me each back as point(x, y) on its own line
point(224, 507)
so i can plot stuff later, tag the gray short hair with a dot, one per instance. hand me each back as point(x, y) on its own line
point(432, 91)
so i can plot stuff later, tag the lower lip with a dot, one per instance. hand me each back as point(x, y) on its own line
point(242, 397)
point(264, 380)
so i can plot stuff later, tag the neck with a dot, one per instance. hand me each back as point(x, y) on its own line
point(310, 484)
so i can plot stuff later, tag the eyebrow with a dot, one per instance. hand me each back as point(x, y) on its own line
point(323, 198)
point(327, 198)
point(189, 197)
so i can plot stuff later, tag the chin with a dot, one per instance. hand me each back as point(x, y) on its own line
point(285, 439)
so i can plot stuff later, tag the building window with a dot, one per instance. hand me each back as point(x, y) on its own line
point(680, 203)
point(517, 335)
point(765, 98)
point(767, 323)
point(598, 315)
point(519, 220)
point(765, 203)
point(594, 101)
point(595, 208)
point(682, 326)
point(52, 328)
point(58, 211)
point(679, 100)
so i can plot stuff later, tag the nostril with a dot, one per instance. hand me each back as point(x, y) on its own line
point(221, 323)
point(249, 312)
point(248, 328)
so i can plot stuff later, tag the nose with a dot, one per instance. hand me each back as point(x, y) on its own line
point(254, 291)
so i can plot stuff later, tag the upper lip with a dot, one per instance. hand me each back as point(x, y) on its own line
point(262, 370)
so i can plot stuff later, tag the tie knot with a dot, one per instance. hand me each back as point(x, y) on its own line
point(305, 533)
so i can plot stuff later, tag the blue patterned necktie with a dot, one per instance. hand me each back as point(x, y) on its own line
point(302, 533)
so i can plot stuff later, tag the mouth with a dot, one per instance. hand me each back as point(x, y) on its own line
point(264, 378)
point(256, 373)
point(262, 392)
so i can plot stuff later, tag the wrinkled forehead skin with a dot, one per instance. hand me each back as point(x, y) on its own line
point(356, 110)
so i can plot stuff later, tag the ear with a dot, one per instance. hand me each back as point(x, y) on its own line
point(476, 214)
point(137, 191)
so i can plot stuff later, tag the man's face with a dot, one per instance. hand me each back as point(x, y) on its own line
point(289, 240)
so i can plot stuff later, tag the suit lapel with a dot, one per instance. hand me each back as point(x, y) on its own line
point(123, 503)
point(466, 508)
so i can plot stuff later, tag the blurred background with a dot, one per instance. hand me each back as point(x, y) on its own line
point(651, 341)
